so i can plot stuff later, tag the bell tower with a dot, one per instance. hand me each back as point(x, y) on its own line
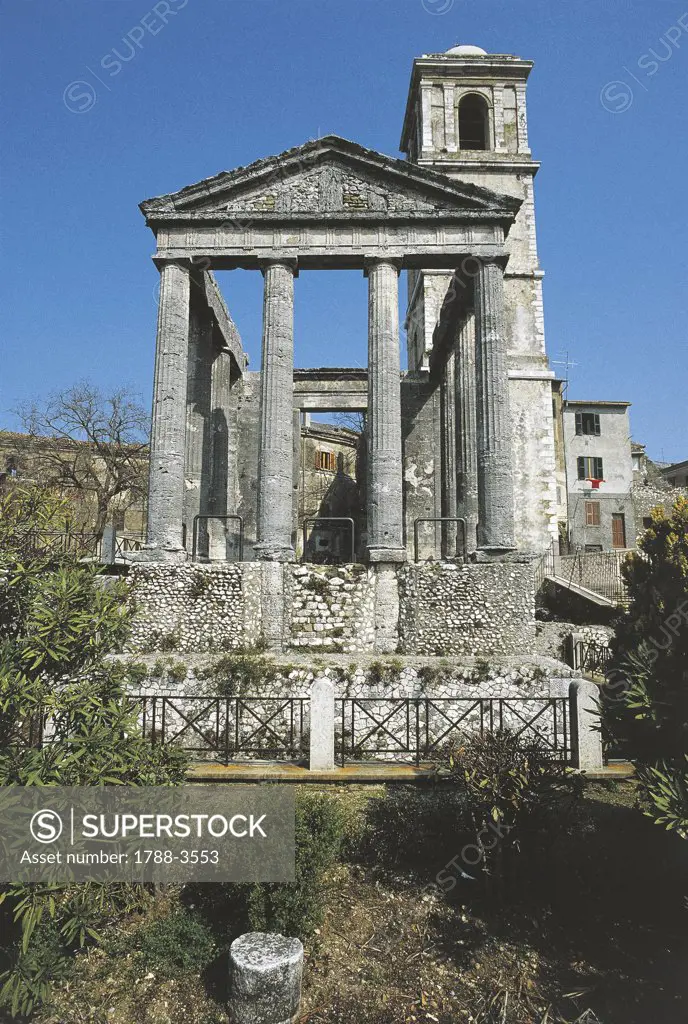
point(466, 117)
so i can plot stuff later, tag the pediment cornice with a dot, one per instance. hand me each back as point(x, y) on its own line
point(333, 179)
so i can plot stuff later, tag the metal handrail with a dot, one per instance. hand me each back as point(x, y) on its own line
point(224, 518)
point(329, 519)
point(441, 519)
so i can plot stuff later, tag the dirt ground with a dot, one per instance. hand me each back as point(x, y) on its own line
point(600, 938)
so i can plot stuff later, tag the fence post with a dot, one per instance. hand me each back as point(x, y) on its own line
point(108, 545)
point(322, 725)
point(586, 738)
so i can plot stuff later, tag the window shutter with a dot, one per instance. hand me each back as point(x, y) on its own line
point(579, 422)
point(597, 424)
point(581, 466)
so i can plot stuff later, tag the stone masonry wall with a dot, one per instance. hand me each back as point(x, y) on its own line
point(195, 607)
point(332, 608)
point(474, 609)
point(433, 608)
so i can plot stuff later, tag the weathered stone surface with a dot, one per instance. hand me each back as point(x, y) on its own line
point(585, 720)
point(168, 430)
point(493, 423)
point(467, 456)
point(275, 465)
point(322, 725)
point(265, 978)
point(385, 474)
point(476, 609)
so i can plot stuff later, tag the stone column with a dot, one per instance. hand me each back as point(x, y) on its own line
point(265, 978)
point(448, 421)
point(275, 466)
point(168, 428)
point(467, 455)
point(198, 458)
point(495, 457)
point(222, 535)
point(385, 476)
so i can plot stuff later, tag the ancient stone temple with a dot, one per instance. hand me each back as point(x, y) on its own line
point(458, 460)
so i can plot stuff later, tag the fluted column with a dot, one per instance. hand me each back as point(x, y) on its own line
point(198, 465)
point(467, 452)
point(385, 476)
point(495, 469)
point(275, 467)
point(168, 426)
point(448, 421)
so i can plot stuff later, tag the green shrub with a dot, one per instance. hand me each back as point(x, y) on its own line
point(169, 641)
point(298, 907)
point(317, 584)
point(241, 673)
point(199, 584)
point(513, 791)
point(177, 671)
point(644, 699)
point(58, 627)
point(137, 672)
point(180, 941)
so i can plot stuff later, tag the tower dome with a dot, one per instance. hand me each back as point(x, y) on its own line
point(466, 50)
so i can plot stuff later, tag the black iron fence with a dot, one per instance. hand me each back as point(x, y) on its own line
point(229, 728)
point(406, 729)
point(591, 658)
point(415, 728)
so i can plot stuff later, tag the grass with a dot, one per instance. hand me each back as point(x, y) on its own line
point(595, 932)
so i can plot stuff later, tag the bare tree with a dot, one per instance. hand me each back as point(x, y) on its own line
point(90, 443)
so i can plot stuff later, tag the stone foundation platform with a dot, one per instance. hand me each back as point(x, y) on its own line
point(433, 608)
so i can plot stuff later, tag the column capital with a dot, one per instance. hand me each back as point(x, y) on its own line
point(287, 262)
point(183, 262)
point(370, 262)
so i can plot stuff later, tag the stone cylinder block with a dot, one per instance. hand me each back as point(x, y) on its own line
point(265, 979)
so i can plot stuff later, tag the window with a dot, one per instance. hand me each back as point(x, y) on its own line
point(326, 460)
point(618, 530)
point(593, 547)
point(590, 468)
point(588, 423)
point(473, 122)
point(592, 513)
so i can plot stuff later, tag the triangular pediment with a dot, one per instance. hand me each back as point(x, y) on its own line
point(330, 176)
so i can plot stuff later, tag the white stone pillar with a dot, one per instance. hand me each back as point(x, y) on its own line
point(322, 725)
point(495, 456)
point(385, 474)
point(168, 427)
point(586, 738)
point(275, 467)
point(265, 978)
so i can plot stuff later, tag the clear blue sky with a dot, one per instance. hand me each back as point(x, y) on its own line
point(224, 82)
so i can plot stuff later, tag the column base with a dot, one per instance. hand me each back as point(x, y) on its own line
point(154, 553)
point(391, 555)
point(496, 554)
point(266, 552)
